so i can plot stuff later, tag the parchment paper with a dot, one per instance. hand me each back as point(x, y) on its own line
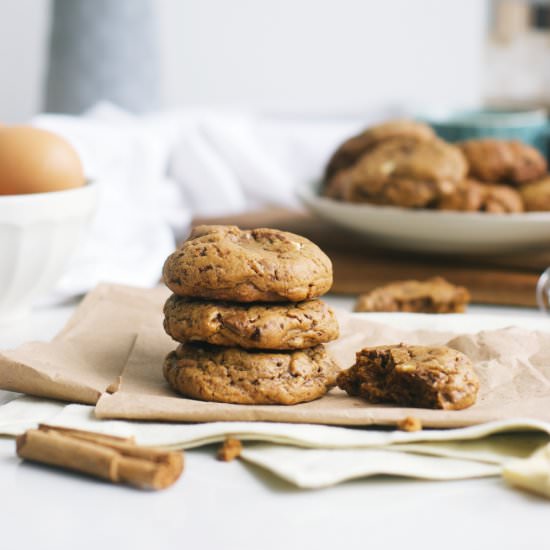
point(87, 358)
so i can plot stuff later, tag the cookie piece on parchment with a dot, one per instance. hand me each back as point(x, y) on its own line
point(412, 376)
point(435, 295)
point(265, 265)
point(234, 375)
point(252, 326)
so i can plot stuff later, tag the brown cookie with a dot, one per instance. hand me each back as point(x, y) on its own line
point(412, 376)
point(334, 188)
point(474, 196)
point(233, 375)
point(353, 148)
point(264, 265)
point(501, 199)
point(434, 295)
point(467, 197)
point(403, 172)
point(498, 160)
point(254, 326)
point(536, 195)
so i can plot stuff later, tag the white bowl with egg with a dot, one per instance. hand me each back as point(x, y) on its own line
point(39, 233)
point(45, 206)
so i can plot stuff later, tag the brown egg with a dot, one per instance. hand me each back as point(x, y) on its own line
point(33, 160)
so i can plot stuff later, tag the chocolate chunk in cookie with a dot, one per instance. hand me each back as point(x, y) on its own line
point(252, 326)
point(403, 172)
point(536, 195)
point(412, 376)
point(353, 148)
point(498, 160)
point(265, 265)
point(233, 375)
point(434, 295)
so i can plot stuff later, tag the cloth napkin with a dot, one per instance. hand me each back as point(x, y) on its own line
point(316, 456)
point(157, 171)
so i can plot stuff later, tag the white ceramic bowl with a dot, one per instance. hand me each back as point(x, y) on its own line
point(38, 234)
point(432, 231)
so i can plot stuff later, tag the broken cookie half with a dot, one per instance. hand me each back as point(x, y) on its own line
point(412, 376)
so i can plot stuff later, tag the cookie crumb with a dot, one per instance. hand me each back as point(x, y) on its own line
point(230, 450)
point(410, 424)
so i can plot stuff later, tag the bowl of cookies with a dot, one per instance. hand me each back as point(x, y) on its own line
point(402, 186)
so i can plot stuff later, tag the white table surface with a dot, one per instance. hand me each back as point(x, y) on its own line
point(235, 505)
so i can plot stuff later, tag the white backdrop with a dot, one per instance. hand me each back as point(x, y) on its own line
point(307, 56)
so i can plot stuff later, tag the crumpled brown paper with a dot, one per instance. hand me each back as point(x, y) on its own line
point(111, 353)
point(86, 358)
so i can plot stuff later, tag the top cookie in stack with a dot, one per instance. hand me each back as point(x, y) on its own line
point(246, 312)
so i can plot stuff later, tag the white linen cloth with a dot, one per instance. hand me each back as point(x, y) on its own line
point(158, 171)
point(315, 456)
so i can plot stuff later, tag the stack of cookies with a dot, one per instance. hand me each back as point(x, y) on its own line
point(246, 314)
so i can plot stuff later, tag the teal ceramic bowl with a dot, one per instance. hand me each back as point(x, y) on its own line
point(531, 126)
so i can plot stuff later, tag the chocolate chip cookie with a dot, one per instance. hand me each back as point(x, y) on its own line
point(233, 375)
point(435, 295)
point(250, 326)
point(467, 197)
point(497, 160)
point(353, 148)
point(412, 376)
point(265, 265)
point(474, 196)
point(403, 172)
point(502, 199)
point(536, 195)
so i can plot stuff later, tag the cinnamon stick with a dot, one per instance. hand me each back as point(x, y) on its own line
point(115, 459)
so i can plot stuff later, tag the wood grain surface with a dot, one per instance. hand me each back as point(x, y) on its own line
point(360, 266)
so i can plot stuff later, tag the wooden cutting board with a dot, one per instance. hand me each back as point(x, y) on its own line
point(359, 266)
